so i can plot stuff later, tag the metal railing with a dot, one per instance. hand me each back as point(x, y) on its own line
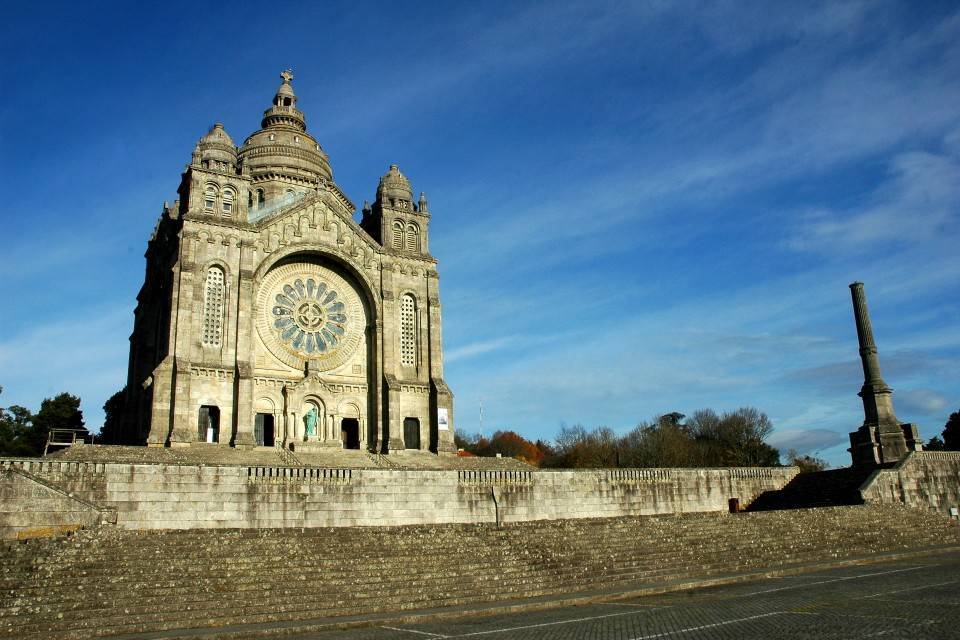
point(67, 438)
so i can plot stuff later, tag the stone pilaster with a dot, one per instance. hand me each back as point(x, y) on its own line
point(393, 420)
point(441, 398)
point(243, 436)
point(376, 418)
point(246, 328)
point(184, 422)
point(161, 385)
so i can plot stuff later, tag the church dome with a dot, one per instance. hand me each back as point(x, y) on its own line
point(217, 147)
point(282, 153)
point(394, 187)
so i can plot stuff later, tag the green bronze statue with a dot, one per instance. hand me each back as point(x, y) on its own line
point(310, 422)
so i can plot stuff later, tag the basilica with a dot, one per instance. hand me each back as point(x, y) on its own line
point(270, 317)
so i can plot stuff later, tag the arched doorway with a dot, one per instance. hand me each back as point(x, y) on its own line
point(208, 424)
point(263, 429)
point(411, 433)
point(350, 433)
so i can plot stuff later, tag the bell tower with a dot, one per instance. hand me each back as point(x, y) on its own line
point(394, 220)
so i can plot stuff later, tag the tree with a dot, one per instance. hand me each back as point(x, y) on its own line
point(577, 448)
point(16, 423)
point(464, 441)
point(744, 432)
point(806, 463)
point(951, 432)
point(60, 412)
point(934, 444)
point(113, 410)
point(507, 443)
point(513, 445)
point(663, 442)
point(735, 439)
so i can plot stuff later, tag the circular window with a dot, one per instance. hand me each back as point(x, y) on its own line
point(307, 312)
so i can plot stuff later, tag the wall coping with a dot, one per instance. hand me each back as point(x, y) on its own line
point(615, 473)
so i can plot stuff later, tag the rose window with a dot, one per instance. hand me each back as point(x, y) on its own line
point(310, 312)
point(309, 316)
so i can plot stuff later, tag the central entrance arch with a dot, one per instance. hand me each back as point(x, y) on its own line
point(316, 316)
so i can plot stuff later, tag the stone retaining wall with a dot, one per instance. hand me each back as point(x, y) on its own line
point(156, 496)
point(927, 479)
point(31, 507)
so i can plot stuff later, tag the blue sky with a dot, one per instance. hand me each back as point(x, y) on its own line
point(637, 207)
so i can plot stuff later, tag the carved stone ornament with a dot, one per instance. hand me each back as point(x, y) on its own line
point(306, 312)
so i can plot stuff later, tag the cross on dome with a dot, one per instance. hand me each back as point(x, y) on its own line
point(287, 75)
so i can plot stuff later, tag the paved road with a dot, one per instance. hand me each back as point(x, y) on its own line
point(911, 599)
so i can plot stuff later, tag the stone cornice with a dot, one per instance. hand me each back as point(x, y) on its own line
point(198, 169)
point(394, 253)
point(236, 224)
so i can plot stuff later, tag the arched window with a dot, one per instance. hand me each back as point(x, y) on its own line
point(210, 198)
point(228, 197)
point(413, 238)
point(260, 199)
point(213, 307)
point(408, 330)
point(397, 235)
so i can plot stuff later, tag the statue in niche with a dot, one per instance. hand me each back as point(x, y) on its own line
point(310, 422)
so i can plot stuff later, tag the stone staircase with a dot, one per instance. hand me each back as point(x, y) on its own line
point(382, 461)
point(287, 457)
point(106, 582)
point(831, 488)
point(332, 458)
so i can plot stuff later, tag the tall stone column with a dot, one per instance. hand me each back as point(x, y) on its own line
point(881, 438)
point(877, 396)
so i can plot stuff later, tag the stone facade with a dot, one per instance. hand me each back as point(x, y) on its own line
point(270, 317)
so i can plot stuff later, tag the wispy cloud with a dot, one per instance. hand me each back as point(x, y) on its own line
point(923, 402)
point(466, 351)
point(920, 202)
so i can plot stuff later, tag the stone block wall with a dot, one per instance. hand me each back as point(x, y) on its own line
point(927, 479)
point(31, 507)
point(157, 496)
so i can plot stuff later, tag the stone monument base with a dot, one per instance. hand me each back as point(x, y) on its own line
point(872, 446)
point(311, 446)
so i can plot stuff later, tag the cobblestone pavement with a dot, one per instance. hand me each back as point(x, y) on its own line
point(911, 599)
